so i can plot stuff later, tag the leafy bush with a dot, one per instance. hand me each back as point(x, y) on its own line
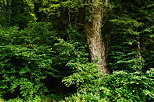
point(31, 58)
point(24, 61)
point(120, 86)
point(24, 69)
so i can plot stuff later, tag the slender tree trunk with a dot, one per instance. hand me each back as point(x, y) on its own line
point(139, 63)
point(94, 36)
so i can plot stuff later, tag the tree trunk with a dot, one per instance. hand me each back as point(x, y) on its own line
point(94, 36)
point(139, 63)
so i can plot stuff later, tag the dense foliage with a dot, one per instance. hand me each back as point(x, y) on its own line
point(32, 57)
point(44, 53)
point(121, 86)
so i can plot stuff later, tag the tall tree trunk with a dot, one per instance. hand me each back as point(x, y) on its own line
point(94, 36)
point(140, 62)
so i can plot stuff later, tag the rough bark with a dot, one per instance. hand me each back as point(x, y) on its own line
point(94, 36)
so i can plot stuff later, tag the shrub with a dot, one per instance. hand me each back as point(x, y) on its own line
point(120, 86)
point(25, 61)
point(31, 60)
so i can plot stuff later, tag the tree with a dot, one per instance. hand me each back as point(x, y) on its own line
point(15, 13)
point(94, 36)
point(92, 19)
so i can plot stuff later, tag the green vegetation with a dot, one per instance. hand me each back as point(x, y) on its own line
point(48, 55)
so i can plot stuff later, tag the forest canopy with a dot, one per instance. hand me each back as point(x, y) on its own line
point(76, 51)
